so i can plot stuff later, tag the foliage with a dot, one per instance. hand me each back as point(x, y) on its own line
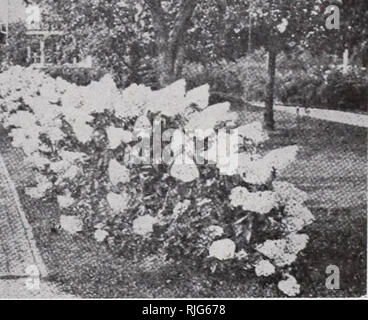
point(245, 78)
point(123, 34)
point(323, 85)
point(149, 41)
point(345, 91)
point(78, 76)
point(241, 80)
point(223, 78)
point(302, 79)
point(15, 51)
point(82, 143)
point(352, 32)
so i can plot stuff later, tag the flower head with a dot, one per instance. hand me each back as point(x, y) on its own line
point(118, 202)
point(260, 202)
point(65, 201)
point(288, 192)
point(118, 173)
point(254, 132)
point(169, 101)
point(289, 286)
point(26, 138)
point(100, 235)
point(71, 224)
point(144, 225)
point(134, 101)
point(43, 185)
point(198, 96)
point(222, 249)
point(118, 135)
point(254, 169)
point(283, 252)
point(264, 268)
point(210, 117)
point(215, 231)
point(184, 169)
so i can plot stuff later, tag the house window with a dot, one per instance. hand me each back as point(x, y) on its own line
point(3, 33)
point(33, 17)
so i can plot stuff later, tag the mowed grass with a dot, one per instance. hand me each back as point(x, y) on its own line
point(331, 167)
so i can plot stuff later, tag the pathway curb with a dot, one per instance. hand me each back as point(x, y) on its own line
point(23, 219)
point(349, 118)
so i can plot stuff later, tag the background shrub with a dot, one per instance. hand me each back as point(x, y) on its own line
point(300, 88)
point(78, 76)
point(301, 79)
point(318, 82)
point(237, 81)
point(222, 77)
point(345, 91)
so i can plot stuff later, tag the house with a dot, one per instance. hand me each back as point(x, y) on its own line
point(12, 11)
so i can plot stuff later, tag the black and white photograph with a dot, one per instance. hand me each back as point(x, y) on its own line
point(182, 149)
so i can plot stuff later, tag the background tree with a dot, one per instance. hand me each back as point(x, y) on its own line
point(129, 38)
point(119, 33)
point(280, 25)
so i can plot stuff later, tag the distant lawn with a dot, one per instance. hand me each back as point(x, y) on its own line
point(338, 237)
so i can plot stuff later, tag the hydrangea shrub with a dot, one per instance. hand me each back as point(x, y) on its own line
point(85, 146)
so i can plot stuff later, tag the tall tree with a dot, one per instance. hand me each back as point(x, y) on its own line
point(283, 24)
point(276, 25)
point(169, 34)
point(120, 33)
point(117, 29)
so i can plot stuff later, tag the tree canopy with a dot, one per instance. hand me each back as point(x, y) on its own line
point(141, 39)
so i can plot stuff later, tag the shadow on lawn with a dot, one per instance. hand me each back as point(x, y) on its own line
point(338, 237)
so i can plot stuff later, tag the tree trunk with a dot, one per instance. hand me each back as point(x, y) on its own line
point(166, 68)
point(365, 55)
point(169, 41)
point(179, 64)
point(269, 114)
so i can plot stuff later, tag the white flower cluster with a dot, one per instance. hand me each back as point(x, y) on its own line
point(288, 192)
point(258, 170)
point(283, 195)
point(284, 252)
point(289, 286)
point(118, 201)
point(143, 225)
point(118, 173)
point(52, 102)
point(43, 185)
point(222, 249)
point(71, 224)
point(264, 268)
point(261, 202)
point(297, 217)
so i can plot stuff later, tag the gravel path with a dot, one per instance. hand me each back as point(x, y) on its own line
point(350, 118)
point(21, 266)
point(26, 289)
point(17, 246)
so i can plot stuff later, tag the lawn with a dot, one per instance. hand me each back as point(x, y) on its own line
point(331, 167)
